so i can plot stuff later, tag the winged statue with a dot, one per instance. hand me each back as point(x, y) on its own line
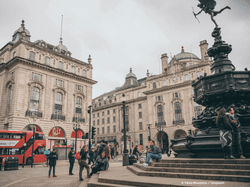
point(208, 7)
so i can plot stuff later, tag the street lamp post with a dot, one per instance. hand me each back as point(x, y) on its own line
point(89, 111)
point(76, 127)
point(125, 152)
point(149, 137)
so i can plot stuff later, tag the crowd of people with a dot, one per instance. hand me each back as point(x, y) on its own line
point(230, 138)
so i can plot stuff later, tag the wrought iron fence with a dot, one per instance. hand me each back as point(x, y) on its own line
point(57, 116)
point(34, 113)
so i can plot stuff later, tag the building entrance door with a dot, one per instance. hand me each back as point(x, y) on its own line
point(165, 143)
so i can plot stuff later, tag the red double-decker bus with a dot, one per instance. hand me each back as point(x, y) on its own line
point(20, 144)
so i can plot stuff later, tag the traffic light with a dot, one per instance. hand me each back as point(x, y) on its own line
point(93, 132)
point(86, 136)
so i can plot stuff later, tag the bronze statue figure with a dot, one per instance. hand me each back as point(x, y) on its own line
point(208, 7)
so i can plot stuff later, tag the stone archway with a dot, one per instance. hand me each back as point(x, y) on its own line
point(30, 128)
point(180, 134)
point(162, 141)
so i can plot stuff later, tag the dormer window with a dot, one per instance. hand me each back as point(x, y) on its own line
point(186, 77)
point(154, 85)
point(32, 55)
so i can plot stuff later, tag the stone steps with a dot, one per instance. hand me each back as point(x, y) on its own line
point(235, 178)
point(195, 170)
point(206, 161)
point(200, 165)
point(122, 177)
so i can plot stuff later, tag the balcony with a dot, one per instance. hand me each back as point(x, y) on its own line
point(34, 113)
point(178, 121)
point(57, 116)
point(162, 123)
point(78, 119)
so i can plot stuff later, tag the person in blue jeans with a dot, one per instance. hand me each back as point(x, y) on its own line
point(153, 152)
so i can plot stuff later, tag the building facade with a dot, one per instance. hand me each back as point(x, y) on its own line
point(43, 86)
point(160, 106)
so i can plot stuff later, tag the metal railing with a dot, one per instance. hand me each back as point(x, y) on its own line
point(78, 119)
point(57, 116)
point(162, 123)
point(34, 113)
point(178, 121)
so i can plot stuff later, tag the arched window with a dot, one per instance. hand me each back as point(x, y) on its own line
point(58, 105)
point(47, 60)
point(160, 114)
point(198, 74)
point(14, 54)
point(34, 99)
point(78, 107)
point(84, 73)
point(186, 77)
point(177, 108)
point(164, 83)
point(32, 55)
point(9, 100)
point(73, 69)
point(60, 65)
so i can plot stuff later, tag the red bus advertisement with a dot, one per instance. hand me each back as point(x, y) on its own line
point(20, 144)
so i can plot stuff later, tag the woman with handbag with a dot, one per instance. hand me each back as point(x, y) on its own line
point(225, 133)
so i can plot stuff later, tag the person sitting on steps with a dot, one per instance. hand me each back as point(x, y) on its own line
point(101, 164)
point(154, 152)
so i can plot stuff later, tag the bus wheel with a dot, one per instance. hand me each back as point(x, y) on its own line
point(29, 161)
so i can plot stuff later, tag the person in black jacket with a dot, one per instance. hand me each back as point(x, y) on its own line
point(153, 152)
point(136, 152)
point(83, 163)
point(91, 156)
point(226, 129)
point(102, 147)
point(235, 123)
point(71, 157)
point(52, 162)
point(101, 163)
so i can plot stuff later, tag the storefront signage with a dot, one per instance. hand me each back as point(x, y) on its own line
point(79, 134)
point(56, 132)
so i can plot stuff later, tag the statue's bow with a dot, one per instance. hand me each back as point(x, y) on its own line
point(195, 15)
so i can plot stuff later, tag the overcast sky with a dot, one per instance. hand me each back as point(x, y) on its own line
point(120, 34)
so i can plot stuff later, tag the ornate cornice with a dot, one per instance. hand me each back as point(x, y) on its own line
point(164, 88)
point(37, 84)
point(120, 103)
point(17, 60)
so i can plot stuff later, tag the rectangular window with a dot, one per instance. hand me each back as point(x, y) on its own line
point(93, 115)
point(102, 121)
point(113, 118)
point(108, 112)
point(139, 94)
point(164, 83)
point(108, 121)
point(59, 83)
point(108, 129)
point(84, 73)
point(93, 123)
point(98, 122)
point(98, 131)
point(32, 55)
point(140, 114)
point(140, 125)
point(141, 139)
point(113, 111)
point(79, 88)
point(36, 77)
point(60, 65)
point(139, 105)
point(97, 114)
point(102, 113)
point(114, 129)
point(102, 130)
point(198, 74)
point(73, 69)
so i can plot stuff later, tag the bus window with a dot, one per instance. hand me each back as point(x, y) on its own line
point(4, 151)
point(6, 136)
point(39, 150)
point(16, 136)
point(39, 137)
point(14, 151)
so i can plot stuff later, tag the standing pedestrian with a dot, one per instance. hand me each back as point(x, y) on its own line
point(83, 163)
point(235, 123)
point(112, 152)
point(52, 162)
point(226, 129)
point(71, 157)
